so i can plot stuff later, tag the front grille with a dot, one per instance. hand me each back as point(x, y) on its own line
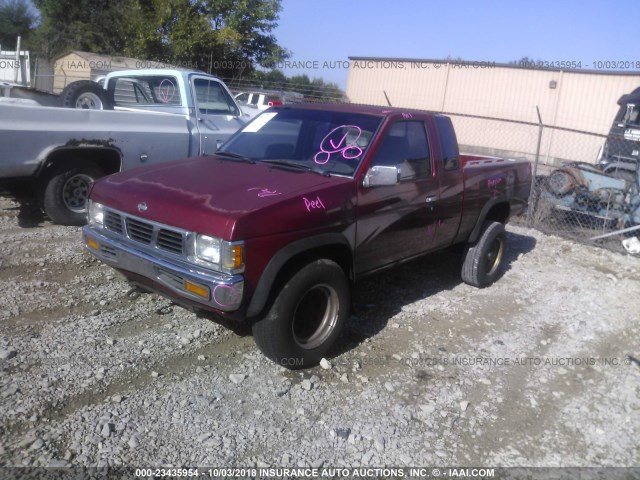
point(170, 240)
point(146, 232)
point(139, 231)
point(113, 221)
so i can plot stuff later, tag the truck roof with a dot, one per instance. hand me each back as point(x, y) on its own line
point(356, 108)
point(184, 72)
point(633, 97)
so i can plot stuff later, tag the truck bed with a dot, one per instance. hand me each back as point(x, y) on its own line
point(28, 133)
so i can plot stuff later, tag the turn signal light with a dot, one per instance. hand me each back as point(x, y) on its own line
point(196, 289)
point(92, 244)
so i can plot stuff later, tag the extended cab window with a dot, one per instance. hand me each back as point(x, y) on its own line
point(448, 143)
point(137, 91)
point(406, 146)
point(213, 99)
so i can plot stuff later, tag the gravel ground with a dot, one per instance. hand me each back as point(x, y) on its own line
point(540, 369)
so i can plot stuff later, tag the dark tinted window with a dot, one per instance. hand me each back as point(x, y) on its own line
point(448, 143)
point(407, 147)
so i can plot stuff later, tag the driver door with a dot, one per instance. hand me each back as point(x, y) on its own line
point(398, 221)
point(217, 115)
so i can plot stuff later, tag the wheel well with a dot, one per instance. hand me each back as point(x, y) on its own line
point(498, 213)
point(338, 253)
point(106, 159)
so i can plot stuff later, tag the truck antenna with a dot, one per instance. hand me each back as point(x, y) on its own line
point(385, 96)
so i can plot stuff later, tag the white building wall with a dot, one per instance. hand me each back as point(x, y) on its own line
point(584, 101)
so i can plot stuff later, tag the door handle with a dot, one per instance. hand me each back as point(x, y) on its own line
point(430, 199)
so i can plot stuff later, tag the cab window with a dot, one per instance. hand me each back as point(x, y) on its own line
point(406, 146)
point(146, 90)
point(213, 99)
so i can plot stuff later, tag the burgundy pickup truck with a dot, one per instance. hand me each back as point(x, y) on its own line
point(303, 201)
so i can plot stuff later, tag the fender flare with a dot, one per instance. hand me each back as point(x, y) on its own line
point(477, 230)
point(282, 256)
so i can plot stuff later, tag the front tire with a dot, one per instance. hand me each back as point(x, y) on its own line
point(65, 194)
point(306, 317)
point(483, 260)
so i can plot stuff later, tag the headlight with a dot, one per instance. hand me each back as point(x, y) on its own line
point(208, 248)
point(95, 214)
point(228, 257)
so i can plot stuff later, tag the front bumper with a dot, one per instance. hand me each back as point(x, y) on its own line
point(214, 290)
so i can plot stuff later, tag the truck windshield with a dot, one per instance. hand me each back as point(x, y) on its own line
point(329, 141)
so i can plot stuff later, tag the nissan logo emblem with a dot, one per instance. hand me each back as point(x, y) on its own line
point(142, 207)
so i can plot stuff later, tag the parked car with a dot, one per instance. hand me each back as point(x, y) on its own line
point(261, 101)
point(266, 99)
point(303, 201)
point(157, 115)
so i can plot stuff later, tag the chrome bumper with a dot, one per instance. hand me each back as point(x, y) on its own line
point(216, 290)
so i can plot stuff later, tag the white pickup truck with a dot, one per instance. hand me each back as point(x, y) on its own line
point(157, 115)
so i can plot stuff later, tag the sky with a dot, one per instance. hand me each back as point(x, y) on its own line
point(499, 31)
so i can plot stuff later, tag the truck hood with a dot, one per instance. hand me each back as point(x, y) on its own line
point(229, 199)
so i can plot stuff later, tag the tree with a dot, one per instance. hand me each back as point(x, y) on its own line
point(16, 19)
point(227, 37)
point(98, 26)
point(526, 62)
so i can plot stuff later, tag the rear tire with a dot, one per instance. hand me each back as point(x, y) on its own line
point(65, 194)
point(483, 260)
point(85, 94)
point(306, 317)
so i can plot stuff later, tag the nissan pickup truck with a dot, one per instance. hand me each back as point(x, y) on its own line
point(301, 203)
point(156, 115)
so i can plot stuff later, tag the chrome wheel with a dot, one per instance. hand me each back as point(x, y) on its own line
point(494, 255)
point(315, 316)
point(89, 101)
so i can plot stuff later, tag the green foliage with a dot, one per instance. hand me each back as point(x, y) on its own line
point(226, 37)
point(98, 26)
point(16, 19)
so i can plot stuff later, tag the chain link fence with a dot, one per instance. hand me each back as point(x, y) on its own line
point(585, 185)
point(307, 93)
point(596, 203)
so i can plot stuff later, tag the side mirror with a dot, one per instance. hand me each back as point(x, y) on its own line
point(380, 176)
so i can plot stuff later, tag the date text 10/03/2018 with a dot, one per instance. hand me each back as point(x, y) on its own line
point(579, 65)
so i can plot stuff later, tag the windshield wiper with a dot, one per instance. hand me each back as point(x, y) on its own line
point(236, 156)
point(296, 165)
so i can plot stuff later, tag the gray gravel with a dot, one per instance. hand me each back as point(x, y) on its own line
point(542, 376)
